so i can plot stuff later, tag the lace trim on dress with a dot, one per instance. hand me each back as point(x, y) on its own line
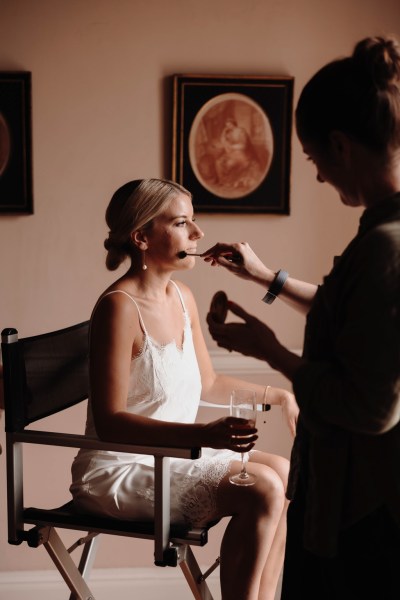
point(198, 500)
point(197, 492)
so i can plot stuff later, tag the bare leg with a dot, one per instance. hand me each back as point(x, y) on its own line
point(274, 562)
point(256, 515)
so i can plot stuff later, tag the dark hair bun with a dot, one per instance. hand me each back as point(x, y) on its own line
point(115, 254)
point(378, 59)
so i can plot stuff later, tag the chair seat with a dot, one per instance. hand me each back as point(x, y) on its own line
point(67, 517)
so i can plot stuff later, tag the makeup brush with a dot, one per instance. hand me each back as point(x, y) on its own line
point(184, 254)
point(234, 257)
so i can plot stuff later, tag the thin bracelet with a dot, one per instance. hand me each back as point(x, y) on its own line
point(266, 406)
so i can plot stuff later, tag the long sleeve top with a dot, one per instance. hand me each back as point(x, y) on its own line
point(347, 449)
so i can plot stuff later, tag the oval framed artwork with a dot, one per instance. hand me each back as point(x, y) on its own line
point(231, 145)
point(231, 142)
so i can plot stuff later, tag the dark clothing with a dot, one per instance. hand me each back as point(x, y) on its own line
point(347, 448)
point(365, 568)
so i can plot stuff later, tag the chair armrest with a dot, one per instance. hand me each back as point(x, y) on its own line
point(52, 438)
point(161, 455)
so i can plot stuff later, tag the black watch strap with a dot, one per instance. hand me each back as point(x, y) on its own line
point(276, 286)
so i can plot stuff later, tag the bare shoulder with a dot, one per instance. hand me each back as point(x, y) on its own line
point(187, 296)
point(115, 300)
point(115, 309)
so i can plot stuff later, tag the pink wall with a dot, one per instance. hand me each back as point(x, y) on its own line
point(101, 116)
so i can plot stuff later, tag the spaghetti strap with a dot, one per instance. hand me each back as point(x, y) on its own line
point(180, 295)
point(142, 325)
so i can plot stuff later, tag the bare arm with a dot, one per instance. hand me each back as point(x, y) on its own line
point(217, 387)
point(115, 335)
point(297, 294)
point(252, 337)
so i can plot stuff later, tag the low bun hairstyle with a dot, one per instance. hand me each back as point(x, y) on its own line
point(358, 95)
point(133, 207)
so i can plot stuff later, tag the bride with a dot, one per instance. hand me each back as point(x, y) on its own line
point(149, 367)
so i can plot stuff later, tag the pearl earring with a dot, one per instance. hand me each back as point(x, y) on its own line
point(144, 266)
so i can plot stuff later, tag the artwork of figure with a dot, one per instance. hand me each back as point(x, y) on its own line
point(231, 145)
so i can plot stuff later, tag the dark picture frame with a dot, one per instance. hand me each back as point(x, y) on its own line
point(232, 141)
point(16, 190)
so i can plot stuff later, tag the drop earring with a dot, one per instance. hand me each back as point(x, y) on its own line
point(144, 266)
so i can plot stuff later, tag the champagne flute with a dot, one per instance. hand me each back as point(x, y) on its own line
point(244, 406)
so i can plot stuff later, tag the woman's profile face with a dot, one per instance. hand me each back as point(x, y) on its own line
point(332, 168)
point(321, 159)
point(174, 231)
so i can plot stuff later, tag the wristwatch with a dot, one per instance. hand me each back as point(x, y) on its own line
point(276, 286)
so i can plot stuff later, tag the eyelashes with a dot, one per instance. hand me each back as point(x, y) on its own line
point(184, 222)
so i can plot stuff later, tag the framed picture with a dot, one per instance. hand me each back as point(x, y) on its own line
point(232, 142)
point(15, 143)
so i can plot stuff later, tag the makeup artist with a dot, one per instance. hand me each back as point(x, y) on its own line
point(344, 520)
point(149, 366)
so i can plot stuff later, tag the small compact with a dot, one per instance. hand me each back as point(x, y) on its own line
point(219, 307)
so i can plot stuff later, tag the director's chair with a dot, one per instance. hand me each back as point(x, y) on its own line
point(44, 375)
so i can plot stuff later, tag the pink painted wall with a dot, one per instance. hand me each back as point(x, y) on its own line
point(102, 115)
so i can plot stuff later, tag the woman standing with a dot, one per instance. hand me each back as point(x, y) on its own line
point(344, 520)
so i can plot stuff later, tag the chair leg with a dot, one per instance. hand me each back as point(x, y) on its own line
point(87, 558)
point(66, 566)
point(193, 575)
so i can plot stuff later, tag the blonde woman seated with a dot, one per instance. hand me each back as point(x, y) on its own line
point(149, 366)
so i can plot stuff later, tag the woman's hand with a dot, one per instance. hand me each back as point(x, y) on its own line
point(290, 410)
point(251, 338)
point(254, 338)
point(240, 259)
point(231, 433)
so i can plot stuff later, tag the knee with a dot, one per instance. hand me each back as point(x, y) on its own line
point(282, 468)
point(269, 493)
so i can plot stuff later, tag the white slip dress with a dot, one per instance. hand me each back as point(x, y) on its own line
point(164, 384)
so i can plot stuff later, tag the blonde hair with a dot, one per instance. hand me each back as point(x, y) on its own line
point(133, 207)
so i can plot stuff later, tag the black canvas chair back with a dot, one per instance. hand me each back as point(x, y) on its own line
point(44, 375)
point(52, 373)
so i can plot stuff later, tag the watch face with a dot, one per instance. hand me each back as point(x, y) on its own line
point(219, 307)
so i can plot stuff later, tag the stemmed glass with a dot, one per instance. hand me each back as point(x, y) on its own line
point(244, 406)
